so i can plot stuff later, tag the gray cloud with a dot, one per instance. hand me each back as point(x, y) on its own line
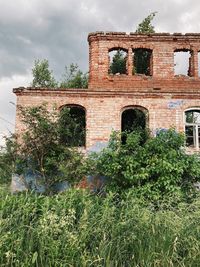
point(58, 30)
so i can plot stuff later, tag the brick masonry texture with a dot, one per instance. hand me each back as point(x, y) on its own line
point(164, 96)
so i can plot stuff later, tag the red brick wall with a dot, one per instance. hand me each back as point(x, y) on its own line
point(163, 46)
point(165, 96)
point(104, 109)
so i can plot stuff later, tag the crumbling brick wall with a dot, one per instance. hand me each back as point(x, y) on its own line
point(163, 46)
point(163, 94)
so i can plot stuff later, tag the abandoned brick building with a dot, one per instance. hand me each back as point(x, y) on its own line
point(166, 93)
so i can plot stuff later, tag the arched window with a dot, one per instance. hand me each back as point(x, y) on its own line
point(133, 118)
point(192, 128)
point(118, 61)
point(73, 125)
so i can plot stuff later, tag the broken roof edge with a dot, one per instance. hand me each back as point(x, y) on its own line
point(135, 34)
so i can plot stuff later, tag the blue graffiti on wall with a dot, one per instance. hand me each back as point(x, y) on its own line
point(175, 104)
point(98, 147)
point(31, 180)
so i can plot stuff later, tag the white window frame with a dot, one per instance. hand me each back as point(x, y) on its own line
point(195, 126)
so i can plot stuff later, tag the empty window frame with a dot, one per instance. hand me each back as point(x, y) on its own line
point(142, 61)
point(182, 62)
point(132, 119)
point(118, 61)
point(73, 125)
point(192, 128)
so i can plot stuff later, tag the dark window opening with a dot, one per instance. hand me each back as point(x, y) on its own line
point(192, 128)
point(133, 119)
point(182, 62)
point(142, 61)
point(118, 61)
point(73, 126)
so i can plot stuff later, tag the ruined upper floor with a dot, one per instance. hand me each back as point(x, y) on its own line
point(171, 61)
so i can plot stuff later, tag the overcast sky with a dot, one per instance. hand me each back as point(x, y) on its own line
point(57, 30)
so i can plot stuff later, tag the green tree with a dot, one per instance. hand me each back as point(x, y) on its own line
point(42, 76)
point(74, 77)
point(118, 64)
point(142, 57)
point(146, 25)
point(7, 157)
point(40, 149)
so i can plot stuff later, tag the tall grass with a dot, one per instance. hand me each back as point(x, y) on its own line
point(80, 229)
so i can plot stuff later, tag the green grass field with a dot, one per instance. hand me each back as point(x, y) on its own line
point(79, 229)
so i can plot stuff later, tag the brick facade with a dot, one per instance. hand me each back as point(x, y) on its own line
point(163, 95)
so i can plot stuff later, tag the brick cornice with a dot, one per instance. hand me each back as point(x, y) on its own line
point(150, 93)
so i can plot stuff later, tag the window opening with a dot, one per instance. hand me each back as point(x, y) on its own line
point(73, 126)
point(192, 128)
point(118, 61)
point(182, 62)
point(142, 61)
point(132, 119)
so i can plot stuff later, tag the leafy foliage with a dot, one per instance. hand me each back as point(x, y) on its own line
point(142, 56)
point(40, 149)
point(145, 26)
point(118, 64)
point(72, 132)
point(42, 76)
point(8, 155)
point(154, 167)
point(74, 77)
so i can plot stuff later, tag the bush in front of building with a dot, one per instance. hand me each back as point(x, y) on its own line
point(153, 166)
point(39, 153)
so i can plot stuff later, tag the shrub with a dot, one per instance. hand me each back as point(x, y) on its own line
point(153, 166)
point(40, 151)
